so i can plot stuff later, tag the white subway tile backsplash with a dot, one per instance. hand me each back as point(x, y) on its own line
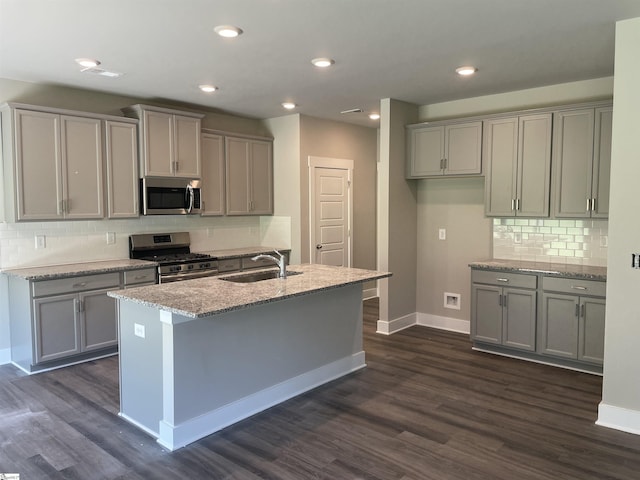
point(580, 242)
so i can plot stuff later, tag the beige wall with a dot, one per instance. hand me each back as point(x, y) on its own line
point(323, 138)
point(397, 216)
point(620, 405)
point(457, 205)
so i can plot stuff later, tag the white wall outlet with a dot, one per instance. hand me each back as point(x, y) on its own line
point(41, 241)
point(138, 330)
point(111, 238)
point(442, 234)
point(452, 300)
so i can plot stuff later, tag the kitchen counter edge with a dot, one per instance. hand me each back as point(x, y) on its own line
point(203, 297)
point(74, 269)
point(587, 272)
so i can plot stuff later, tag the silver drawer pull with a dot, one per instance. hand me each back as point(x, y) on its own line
point(78, 285)
point(578, 287)
point(502, 279)
point(140, 277)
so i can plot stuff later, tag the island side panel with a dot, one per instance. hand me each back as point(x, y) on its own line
point(227, 367)
point(140, 365)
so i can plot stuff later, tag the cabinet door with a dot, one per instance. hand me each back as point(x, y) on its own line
point(56, 327)
point(158, 154)
point(534, 165)
point(261, 168)
point(486, 314)
point(38, 166)
point(573, 160)
point(601, 162)
point(591, 330)
point(463, 149)
point(426, 151)
point(98, 325)
point(500, 146)
point(559, 329)
point(187, 146)
point(82, 167)
point(519, 319)
point(237, 175)
point(122, 169)
point(212, 174)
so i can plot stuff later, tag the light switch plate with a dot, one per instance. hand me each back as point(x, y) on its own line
point(442, 234)
point(111, 238)
point(138, 330)
point(41, 241)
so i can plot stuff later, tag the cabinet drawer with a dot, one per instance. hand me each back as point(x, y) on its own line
point(76, 284)
point(504, 279)
point(229, 265)
point(147, 275)
point(263, 262)
point(574, 286)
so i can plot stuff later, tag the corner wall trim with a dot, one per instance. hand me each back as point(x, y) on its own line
point(387, 327)
point(619, 418)
point(369, 293)
point(443, 323)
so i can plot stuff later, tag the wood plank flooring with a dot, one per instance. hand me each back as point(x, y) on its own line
point(426, 407)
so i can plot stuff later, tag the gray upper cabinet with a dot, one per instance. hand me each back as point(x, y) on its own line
point(213, 177)
point(453, 149)
point(582, 160)
point(57, 165)
point(121, 155)
point(249, 176)
point(517, 155)
point(169, 141)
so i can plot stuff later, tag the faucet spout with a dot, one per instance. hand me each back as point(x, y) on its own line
point(281, 262)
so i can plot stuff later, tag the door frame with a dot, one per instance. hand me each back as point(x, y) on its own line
point(338, 164)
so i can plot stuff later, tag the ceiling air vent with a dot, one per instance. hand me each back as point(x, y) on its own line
point(101, 71)
point(352, 110)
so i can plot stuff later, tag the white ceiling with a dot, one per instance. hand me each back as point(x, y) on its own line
point(402, 49)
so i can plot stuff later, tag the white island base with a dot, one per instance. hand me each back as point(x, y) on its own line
point(184, 378)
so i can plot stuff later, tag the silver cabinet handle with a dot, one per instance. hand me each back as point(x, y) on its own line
point(79, 285)
point(500, 300)
point(578, 287)
point(444, 163)
point(588, 204)
point(577, 310)
point(513, 204)
point(582, 310)
point(593, 204)
point(502, 279)
point(517, 204)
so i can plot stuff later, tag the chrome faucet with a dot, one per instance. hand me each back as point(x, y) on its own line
point(281, 262)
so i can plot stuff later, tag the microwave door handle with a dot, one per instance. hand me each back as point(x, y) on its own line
point(191, 197)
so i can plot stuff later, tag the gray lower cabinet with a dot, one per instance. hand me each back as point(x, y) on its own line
point(57, 321)
point(572, 324)
point(504, 315)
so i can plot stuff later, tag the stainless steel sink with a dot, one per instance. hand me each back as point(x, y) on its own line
point(256, 276)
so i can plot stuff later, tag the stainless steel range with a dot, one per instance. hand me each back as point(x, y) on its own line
point(172, 251)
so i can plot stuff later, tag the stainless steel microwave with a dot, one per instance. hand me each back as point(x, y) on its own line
point(169, 196)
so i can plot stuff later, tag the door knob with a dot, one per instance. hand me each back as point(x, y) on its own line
point(318, 246)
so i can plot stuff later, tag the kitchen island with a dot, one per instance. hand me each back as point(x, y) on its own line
point(199, 355)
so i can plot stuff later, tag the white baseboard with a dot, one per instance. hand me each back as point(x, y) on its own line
point(177, 436)
point(5, 356)
point(369, 293)
point(443, 323)
point(619, 418)
point(388, 327)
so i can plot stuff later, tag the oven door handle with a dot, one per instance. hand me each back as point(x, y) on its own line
point(187, 276)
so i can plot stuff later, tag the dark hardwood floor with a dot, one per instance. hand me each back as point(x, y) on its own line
point(426, 407)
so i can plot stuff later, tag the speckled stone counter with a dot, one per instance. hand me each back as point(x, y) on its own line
point(549, 269)
point(241, 252)
point(74, 269)
point(211, 295)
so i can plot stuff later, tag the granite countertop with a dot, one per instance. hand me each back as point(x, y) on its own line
point(206, 296)
point(551, 269)
point(75, 269)
point(241, 252)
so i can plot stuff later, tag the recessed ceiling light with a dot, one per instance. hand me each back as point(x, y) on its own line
point(87, 62)
point(228, 31)
point(374, 116)
point(323, 62)
point(466, 70)
point(289, 105)
point(207, 88)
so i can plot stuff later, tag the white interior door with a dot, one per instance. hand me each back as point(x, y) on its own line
point(330, 205)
